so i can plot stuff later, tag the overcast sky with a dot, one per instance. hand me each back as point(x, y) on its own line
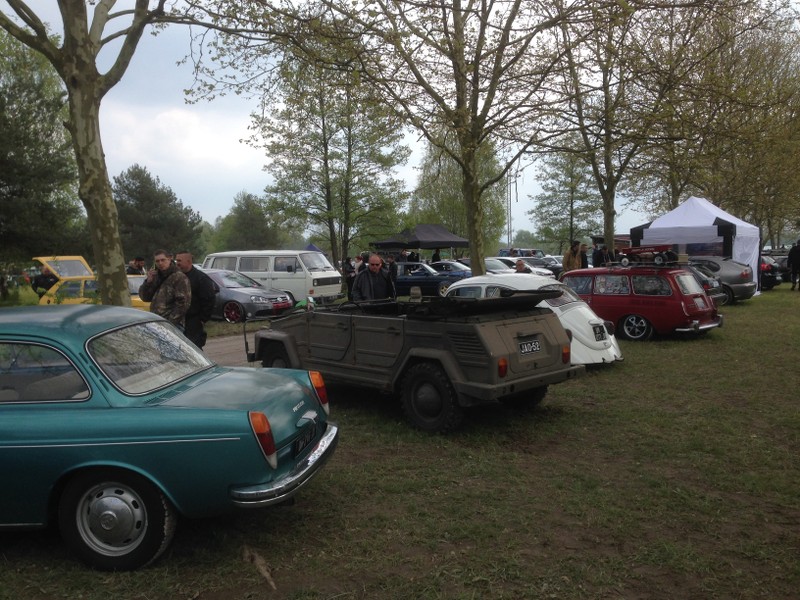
point(196, 149)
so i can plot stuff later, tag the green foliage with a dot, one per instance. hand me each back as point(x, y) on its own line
point(332, 150)
point(439, 197)
point(568, 208)
point(39, 209)
point(251, 225)
point(151, 217)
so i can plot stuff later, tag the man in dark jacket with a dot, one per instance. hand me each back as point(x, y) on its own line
point(793, 262)
point(167, 290)
point(204, 295)
point(373, 283)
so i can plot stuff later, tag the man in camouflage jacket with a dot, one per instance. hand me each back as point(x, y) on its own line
point(167, 289)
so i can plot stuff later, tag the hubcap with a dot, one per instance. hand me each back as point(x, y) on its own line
point(112, 519)
point(428, 401)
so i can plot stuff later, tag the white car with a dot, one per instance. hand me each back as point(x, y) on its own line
point(511, 262)
point(593, 340)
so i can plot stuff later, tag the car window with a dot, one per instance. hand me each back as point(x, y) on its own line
point(234, 279)
point(69, 289)
point(35, 373)
point(651, 285)
point(471, 291)
point(223, 262)
point(494, 291)
point(69, 267)
point(144, 357)
point(314, 261)
point(567, 295)
point(252, 263)
point(611, 285)
point(580, 284)
point(287, 264)
point(688, 284)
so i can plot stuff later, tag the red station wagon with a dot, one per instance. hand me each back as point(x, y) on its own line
point(643, 299)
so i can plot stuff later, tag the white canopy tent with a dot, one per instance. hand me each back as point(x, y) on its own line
point(697, 221)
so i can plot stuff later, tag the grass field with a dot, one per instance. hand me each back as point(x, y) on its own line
point(674, 474)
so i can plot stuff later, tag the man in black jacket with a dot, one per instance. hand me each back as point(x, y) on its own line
point(374, 283)
point(204, 295)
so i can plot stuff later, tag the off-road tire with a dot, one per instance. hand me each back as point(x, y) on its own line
point(429, 400)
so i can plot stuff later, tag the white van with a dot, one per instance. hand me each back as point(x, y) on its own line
point(301, 273)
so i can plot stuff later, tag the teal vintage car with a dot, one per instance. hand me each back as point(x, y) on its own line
point(112, 424)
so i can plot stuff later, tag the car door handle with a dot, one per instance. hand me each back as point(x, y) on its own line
point(394, 330)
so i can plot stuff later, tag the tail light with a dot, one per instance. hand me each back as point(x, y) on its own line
point(610, 327)
point(502, 367)
point(565, 356)
point(263, 433)
point(322, 393)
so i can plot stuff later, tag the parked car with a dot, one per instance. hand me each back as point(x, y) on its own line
point(641, 300)
point(538, 266)
point(439, 356)
point(112, 425)
point(593, 340)
point(781, 261)
point(77, 283)
point(451, 267)
point(492, 265)
point(769, 276)
point(241, 297)
point(736, 278)
point(709, 282)
point(428, 280)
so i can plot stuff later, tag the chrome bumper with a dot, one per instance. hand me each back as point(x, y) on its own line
point(275, 492)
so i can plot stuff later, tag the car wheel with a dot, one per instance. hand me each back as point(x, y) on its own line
point(442, 289)
point(635, 327)
point(115, 520)
point(729, 297)
point(275, 357)
point(429, 400)
point(233, 312)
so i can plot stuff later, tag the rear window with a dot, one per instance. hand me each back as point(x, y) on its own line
point(581, 284)
point(688, 284)
point(651, 285)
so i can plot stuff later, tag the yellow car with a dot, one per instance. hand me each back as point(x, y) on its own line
point(77, 283)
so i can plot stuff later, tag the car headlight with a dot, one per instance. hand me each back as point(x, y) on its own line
point(260, 300)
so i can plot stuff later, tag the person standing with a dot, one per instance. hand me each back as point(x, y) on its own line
point(572, 257)
point(374, 283)
point(204, 296)
point(349, 276)
point(167, 290)
point(392, 266)
point(136, 267)
point(584, 256)
point(436, 256)
point(793, 262)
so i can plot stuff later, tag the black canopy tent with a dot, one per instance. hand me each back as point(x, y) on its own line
point(423, 236)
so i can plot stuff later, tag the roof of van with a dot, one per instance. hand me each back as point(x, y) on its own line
point(260, 252)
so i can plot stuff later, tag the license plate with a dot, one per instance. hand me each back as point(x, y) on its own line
point(529, 347)
point(599, 333)
point(304, 440)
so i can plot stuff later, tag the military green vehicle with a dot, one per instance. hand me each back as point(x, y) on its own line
point(439, 356)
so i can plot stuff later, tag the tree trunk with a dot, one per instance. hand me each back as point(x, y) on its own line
point(95, 192)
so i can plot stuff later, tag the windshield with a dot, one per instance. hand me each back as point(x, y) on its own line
point(495, 265)
point(234, 279)
point(144, 357)
point(316, 261)
point(67, 267)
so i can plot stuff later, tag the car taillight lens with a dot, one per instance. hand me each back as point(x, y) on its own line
point(610, 327)
point(502, 367)
point(565, 357)
point(322, 393)
point(263, 433)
